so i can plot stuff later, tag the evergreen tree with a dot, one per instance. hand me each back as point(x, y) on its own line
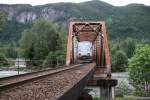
point(120, 61)
point(2, 19)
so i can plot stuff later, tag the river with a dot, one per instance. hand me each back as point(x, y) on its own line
point(9, 73)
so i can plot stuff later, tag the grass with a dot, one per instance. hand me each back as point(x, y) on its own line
point(95, 98)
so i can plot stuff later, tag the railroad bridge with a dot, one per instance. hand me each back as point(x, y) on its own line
point(67, 83)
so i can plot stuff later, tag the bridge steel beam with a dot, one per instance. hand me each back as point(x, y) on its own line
point(94, 51)
point(98, 60)
point(69, 45)
point(106, 50)
point(75, 47)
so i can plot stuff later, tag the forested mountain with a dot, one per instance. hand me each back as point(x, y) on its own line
point(125, 21)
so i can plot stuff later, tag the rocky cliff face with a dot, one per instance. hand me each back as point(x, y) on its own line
point(28, 13)
point(56, 12)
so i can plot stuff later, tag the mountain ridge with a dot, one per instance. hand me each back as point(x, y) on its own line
point(123, 21)
point(26, 12)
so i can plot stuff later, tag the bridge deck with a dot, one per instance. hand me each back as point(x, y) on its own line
point(63, 85)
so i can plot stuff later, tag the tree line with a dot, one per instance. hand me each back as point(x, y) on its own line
point(42, 42)
point(120, 52)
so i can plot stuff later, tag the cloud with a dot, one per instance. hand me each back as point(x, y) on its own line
point(125, 2)
point(37, 2)
point(41, 2)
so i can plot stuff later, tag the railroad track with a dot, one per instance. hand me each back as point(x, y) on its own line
point(51, 85)
point(11, 81)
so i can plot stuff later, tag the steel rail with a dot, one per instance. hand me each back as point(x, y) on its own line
point(12, 81)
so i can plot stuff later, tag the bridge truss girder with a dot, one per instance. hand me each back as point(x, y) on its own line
point(94, 32)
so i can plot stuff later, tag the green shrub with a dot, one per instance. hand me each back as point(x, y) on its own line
point(3, 60)
point(139, 69)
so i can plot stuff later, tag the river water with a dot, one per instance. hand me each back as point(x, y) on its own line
point(9, 73)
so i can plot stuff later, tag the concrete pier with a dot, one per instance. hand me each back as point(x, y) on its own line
point(103, 88)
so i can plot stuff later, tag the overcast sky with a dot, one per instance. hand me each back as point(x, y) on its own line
point(41, 2)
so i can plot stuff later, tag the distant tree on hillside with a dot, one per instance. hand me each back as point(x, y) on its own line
point(3, 60)
point(120, 61)
point(11, 51)
point(2, 19)
point(128, 46)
